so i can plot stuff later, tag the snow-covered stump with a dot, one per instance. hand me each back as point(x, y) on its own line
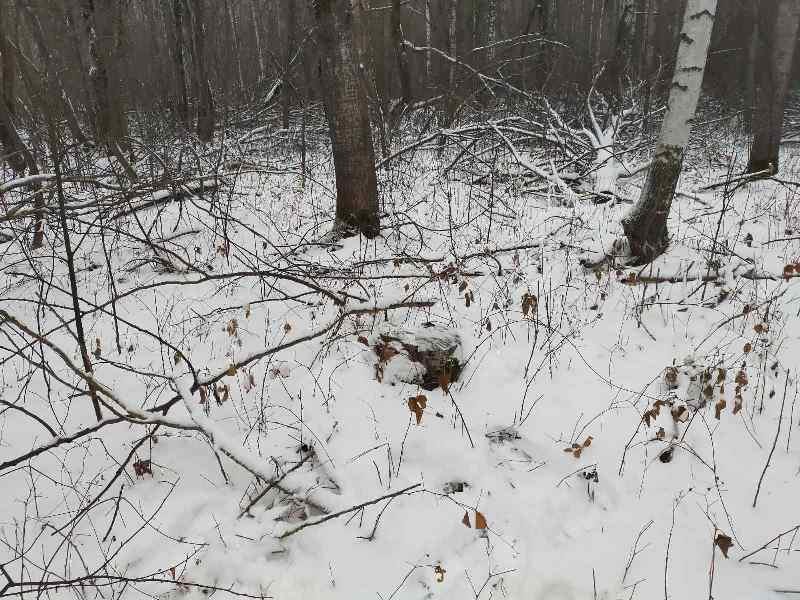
point(429, 356)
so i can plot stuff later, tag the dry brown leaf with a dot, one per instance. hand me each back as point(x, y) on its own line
point(748, 348)
point(444, 381)
point(363, 340)
point(416, 405)
point(724, 543)
point(480, 520)
point(719, 407)
point(680, 414)
point(465, 519)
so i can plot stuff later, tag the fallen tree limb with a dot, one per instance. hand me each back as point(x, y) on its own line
point(346, 511)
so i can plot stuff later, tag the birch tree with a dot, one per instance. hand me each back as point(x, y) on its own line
point(347, 113)
point(645, 225)
point(774, 46)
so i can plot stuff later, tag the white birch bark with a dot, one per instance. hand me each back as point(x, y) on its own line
point(646, 224)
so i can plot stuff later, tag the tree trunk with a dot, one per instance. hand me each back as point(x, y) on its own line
point(777, 34)
point(10, 143)
point(291, 41)
point(452, 50)
point(428, 45)
point(491, 30)
point(206, 114)
point(179, 62)
point(257, 32)
point(348, 117)
point(110, 123)
point(645, 225)
point(401, 53)
point(620, 64)
point(53, 69)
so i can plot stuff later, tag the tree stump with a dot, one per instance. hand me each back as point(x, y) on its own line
point(433, 351)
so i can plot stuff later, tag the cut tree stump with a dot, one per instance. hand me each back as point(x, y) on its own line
point(434, 351)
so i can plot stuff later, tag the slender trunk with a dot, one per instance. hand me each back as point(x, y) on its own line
point(619, 67)
point(206, 114)
point(401, 53)
point(291, 37)
point(257, 32)
point(348, 117)
point(237, 59)
point(491, 29)
point(52, 68)
point(645, 225)
point(452, 31)
point(107, 125)
point(428, 44)
point(11, 144)
point(179, 62)
point(777, 32)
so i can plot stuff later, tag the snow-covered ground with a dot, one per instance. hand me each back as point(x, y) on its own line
point(603, 357)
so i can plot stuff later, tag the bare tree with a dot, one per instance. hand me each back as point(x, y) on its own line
point(176, 39)
point(401, 52)
point(111, 126)
point(206, 112)
point(290, 17)
point(645, 225)
point(777, 25)
point(348, 117)
point(10, 142)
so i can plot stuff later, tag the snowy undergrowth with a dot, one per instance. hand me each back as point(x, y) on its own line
point(601, 357)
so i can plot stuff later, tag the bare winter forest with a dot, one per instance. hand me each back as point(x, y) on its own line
point(400, 299)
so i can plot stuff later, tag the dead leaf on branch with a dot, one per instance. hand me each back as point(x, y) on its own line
point(416, 405)
point(577, 449)
point(480, 521)
point(142, 468)
point(465, 520)
point(724, 543)
point(719, 407)
point(529, 304)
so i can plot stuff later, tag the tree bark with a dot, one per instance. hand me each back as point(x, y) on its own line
point(206, 113)
point(645, 225)
point(290, 13)
point(620, 64)
point(109, 115)
point(778, 22)
point(348, 117)
point(491, 30)
point(10, 143)
point(177, 41)
point(401, 53)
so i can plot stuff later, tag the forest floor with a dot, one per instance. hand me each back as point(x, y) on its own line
point(583, 453)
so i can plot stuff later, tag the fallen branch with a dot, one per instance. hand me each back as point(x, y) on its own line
point(294, 530)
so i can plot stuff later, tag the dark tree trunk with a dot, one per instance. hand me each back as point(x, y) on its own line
point(291, 42)
point(177, 43)
point(348, 117)
point(401, 53)
point(109, 115)
point(619, 67)
point(10, 143)
point(206, 114)
point(777, 35)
